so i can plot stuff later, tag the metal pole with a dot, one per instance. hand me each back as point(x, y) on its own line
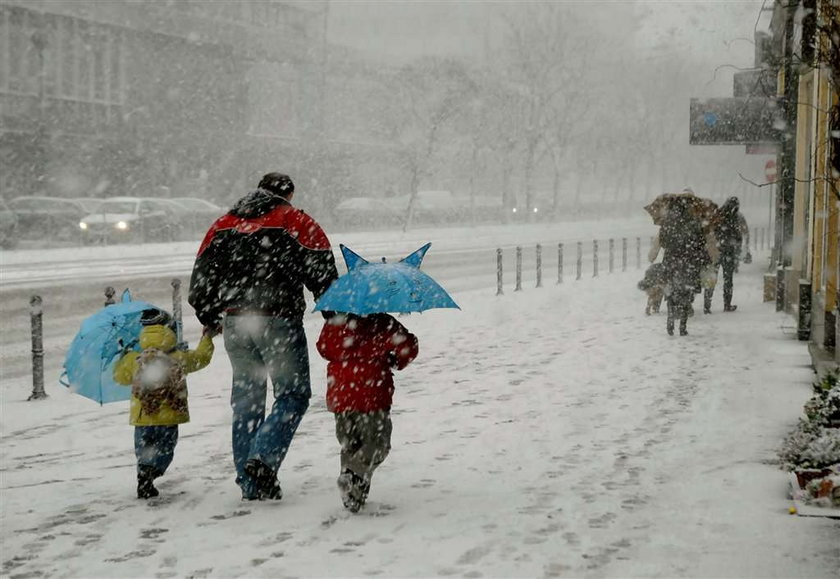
point(518, 269)
point(623, 254)
point(539, 265)
point(611, 254)
point(755, 238)
point(109, 296)
point(595, 258)
point(638, 253)
point(762, 238)
point(579, 259)
point(176, 309)
point(36, 313)
point(559, 263)
point(499, 272)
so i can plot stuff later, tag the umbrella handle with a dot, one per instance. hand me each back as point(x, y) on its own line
point(63, 379)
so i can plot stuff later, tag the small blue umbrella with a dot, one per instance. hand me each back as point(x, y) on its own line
point(89, 364)
point(369, 288)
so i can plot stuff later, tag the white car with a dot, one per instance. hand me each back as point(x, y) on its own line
point(129, 219)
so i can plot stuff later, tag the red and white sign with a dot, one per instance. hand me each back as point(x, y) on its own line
point(770, 171)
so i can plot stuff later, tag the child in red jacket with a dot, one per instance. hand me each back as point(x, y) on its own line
point(361, 352)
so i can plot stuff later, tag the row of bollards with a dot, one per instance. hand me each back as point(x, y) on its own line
point(36, 316)
point(758, 239)
point(561, 261)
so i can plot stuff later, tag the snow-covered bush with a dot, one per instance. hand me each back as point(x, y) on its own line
point(815, 443)
point(795, 444)
point(824, 407)
point(823, 450)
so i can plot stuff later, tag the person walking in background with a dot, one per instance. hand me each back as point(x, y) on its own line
point(361, 352)
point(684, 243)
point(249, 275)
point(729, 228)
point(157, 375)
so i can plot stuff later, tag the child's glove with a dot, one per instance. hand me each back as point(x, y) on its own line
point(392, 359)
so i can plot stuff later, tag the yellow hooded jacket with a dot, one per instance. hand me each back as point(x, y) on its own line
point(164, 339)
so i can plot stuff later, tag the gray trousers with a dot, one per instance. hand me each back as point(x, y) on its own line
point(365, 439)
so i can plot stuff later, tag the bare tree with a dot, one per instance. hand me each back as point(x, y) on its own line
point(428, 95)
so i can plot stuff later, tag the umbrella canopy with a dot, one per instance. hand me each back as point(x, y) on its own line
point(369, 288)
point(700, 207)
point(89, 364)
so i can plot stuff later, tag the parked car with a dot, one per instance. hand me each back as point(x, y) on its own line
point(130, 219)
point(200, 213)
point(8, 226)
point(48, 217)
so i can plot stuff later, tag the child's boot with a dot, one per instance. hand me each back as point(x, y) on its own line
point(145, 482)
point(352, 495)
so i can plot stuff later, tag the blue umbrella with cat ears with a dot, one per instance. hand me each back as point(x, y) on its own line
point(369, 288)
point(102, 338)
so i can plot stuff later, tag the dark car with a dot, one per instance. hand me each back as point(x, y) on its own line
point(130, 219)
point(8, 226)
point(200, 214)
point(50, 218)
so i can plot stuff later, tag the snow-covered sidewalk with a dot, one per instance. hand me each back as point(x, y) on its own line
point(550, 432)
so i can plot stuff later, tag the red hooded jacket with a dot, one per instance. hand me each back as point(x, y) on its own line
point(361, 351)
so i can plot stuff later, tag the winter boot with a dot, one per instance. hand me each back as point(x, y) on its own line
point(669, 326)
point(683, 328)
point(729, 308)
point(145, 482)
point(707, 300)
point(264, 479)
point(354, 490)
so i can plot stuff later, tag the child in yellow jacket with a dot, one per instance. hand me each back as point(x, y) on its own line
point(157, 376)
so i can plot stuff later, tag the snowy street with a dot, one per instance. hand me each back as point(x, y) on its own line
point(549, 432)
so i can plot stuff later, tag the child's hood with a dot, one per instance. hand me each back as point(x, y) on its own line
point(158, 336)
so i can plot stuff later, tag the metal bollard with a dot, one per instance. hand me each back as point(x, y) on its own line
point(638, 253)
point(539, 265)
point(36, 314)
point(110, 292)
point(518, 269)
point(623, 254)
point(177, 313)
point(611, 254)
point(499, 272)
point(559, 263)
point(595, 258)
point(579, 259)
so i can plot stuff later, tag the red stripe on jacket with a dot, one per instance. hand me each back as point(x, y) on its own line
point(298, 224)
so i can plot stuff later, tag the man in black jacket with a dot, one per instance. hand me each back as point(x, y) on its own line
point(248, 278)
point(730, 229)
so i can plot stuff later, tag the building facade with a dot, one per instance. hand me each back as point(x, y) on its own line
point(136, 97)
point(807, 50)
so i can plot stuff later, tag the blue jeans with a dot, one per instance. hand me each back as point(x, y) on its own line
point(262, 347)
point(154, 446)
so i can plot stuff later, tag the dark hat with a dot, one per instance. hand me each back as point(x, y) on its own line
point(153, 317)
point(277, 183)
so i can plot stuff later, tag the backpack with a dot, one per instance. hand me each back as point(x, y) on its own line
point(159, 378)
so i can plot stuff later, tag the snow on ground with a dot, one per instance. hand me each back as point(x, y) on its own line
point(549, 432)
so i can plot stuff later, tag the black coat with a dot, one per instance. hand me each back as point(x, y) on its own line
point(684, 244)
point(258, 258)
point(728, 227)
